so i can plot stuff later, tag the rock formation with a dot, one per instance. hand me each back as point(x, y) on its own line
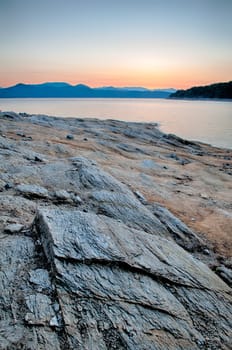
point(87, 261)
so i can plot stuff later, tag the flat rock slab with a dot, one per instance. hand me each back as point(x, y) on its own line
point(122, 288)
point(79, 236)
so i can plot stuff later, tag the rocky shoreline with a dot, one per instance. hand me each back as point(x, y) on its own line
point(113, 235)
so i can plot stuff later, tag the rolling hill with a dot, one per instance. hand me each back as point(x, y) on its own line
point(65, 90)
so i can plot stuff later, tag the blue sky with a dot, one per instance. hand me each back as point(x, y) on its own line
point(150, 43)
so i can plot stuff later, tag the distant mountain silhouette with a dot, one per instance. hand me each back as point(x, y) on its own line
point(217, 91)
point(62, 90)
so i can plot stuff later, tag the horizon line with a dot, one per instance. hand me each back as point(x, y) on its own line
point(92, 87)
point(113, 86)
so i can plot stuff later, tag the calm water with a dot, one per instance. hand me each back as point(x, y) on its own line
point(207, 121)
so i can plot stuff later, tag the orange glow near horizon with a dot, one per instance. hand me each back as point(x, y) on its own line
point(143, 79)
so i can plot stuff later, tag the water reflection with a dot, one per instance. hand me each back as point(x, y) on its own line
point(207, 121)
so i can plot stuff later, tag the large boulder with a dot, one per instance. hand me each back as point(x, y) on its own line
point(123, 288)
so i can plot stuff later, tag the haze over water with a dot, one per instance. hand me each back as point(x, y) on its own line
point(206, 121)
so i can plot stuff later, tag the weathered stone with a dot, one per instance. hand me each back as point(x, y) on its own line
point(225, 273)
point(40, 278)
point(14, 228)
point(76, 199)
point(127, 208)
point(141, 198)
point(40, 307)
point(136, 283)
point(83, 236)
point(20, 207)
point(10, 115)
point(62, 195)
point(10, 335)
point(54, 322)
point(176, 228)
point(150, 164)
point(93, 177)
point(113, 276)
point(2, 185)
point(33, 191)
point(39, 159)
point(21, 134)
point(70, 137)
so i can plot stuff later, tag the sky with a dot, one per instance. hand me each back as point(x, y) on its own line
point(149, 43)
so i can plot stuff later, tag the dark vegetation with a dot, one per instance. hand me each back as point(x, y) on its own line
point(217, 91)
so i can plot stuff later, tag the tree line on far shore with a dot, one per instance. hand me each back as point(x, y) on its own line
point(217, 91)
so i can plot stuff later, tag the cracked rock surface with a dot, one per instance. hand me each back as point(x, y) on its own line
point(89, 257)
point(138, 284)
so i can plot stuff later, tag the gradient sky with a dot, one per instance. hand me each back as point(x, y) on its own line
point(150, 43)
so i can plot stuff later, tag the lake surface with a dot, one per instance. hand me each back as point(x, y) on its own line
point(206, 121)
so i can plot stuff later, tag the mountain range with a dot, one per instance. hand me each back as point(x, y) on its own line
point(64, 90)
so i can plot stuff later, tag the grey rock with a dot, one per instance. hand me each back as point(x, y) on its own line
point(2, 185)
point(130, 148)
point(40, 307)
point(62, 195)
point(179, 142)
point(10, 115)
point(15, 253)
point(110, 278)
point(140, 197)
point(122, 288)
point(177, 229)
point(10, 335)
point(19, 302)
point(174, 156)
point(84, 236)
point(228, 263)
point(127, 208)
point(225, 273)
point(54, 322)
point(76, 199)
point(43, 338)
point(57, 175)
point(22, 207)
point(41, 279)
point(14, 228)
point(39, 159)
point(56, 307)
point(32, 191)
point(21, 134)
point(69, 137)
point(115, 284)
point(91, 177)
point(150, 164)
point(180, 160)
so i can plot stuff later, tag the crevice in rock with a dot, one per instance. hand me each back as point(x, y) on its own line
point(41, 261)
point(127, 267)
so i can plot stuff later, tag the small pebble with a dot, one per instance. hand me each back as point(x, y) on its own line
point(206, 251)
point(20, 134)
point(69, 137)
point(54, 322)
